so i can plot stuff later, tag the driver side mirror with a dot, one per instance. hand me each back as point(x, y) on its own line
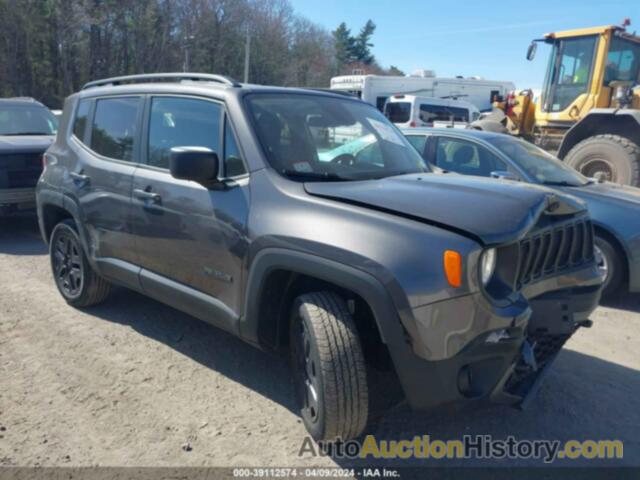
point(199, 164)
point(504, 175)
point(531, 51)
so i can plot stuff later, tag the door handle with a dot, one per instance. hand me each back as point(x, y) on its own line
point(79, 177)
point(147, 195)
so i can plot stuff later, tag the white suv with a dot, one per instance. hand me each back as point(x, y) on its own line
point(414, 111)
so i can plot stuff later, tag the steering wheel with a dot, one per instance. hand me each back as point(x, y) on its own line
point(345, 159)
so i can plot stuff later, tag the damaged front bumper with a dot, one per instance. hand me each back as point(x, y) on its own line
point(555, 319)
point(504, 364)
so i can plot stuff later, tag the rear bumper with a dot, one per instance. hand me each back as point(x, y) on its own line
point(503, 364)
point(17, 197)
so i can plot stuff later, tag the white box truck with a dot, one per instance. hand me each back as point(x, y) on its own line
point(376, 89)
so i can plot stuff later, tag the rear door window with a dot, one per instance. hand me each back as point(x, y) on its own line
point(115, 127)
point(466, 158)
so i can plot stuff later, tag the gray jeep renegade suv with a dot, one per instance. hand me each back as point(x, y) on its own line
point(302, 220)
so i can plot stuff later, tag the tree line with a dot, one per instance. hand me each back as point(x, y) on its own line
point(50, 48)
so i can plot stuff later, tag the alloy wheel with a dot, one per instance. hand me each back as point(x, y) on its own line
point(602, 264)
point(307, 381)
point(67, 264)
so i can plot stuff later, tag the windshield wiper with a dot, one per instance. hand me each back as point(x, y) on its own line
point(562, 183)
point(24, 134)
point(358, 176)
point(398, 174)
point(326, 176)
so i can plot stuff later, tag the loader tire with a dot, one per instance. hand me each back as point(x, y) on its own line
point(618, 158)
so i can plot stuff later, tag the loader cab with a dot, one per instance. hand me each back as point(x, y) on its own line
point(588, 68)
point(588, 109)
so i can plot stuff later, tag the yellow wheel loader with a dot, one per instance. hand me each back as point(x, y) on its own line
point(588, 113)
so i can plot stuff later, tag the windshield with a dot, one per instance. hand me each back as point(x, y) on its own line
point(27, 120)
point(537, 163)
point(324, 138)
point(398, 112)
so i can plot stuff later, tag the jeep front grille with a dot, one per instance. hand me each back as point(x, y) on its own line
point(554, 249)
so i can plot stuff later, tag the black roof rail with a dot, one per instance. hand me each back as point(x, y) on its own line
point(150, 77)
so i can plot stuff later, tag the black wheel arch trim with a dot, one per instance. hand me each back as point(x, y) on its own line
point(360, 282)
point(594, 123)
point(408, 366)
point(626, 256)
point(47, 198)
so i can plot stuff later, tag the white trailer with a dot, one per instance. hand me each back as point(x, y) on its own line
point(376, 89)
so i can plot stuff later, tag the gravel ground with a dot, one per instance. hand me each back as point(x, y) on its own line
point(136, 383)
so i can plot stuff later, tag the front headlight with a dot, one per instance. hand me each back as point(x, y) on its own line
point(487, 265)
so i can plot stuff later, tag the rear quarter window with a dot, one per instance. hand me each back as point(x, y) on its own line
point(418, 141)
point(80, 121)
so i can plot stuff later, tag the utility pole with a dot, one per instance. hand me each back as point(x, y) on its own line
point(247, 51)
point(187, 39)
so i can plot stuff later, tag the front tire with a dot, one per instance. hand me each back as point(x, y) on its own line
point(329, 367)
point(77, 282)
point(616, 157)
point(610, 266)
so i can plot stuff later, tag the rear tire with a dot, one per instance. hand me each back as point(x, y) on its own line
point(77, 282)
point(329, 367)
point(611, 265)
point(617, 157)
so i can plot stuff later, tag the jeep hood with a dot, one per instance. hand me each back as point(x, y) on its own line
point(489, 211)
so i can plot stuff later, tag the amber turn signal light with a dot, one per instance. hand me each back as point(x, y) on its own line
point(453, 267)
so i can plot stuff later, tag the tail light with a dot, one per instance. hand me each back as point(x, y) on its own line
point(46, 159)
